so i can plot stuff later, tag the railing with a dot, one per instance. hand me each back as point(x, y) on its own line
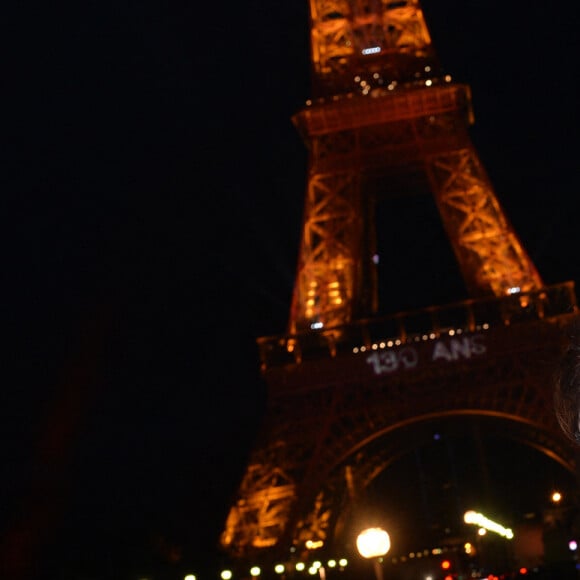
point(465, 316)
point(353, 111)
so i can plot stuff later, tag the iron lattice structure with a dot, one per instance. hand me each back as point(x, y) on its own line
point(346, 387)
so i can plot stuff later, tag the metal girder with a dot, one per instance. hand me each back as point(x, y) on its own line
point(365, 39)
point(491, 257)
point(414, 131)
point(341, 380)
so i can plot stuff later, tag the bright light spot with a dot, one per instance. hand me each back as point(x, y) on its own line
point(300, 566)
point(573, 545)
point(514, 290)
point(316, 325)
point(373, 542)
point(556, 497)
point(255, 571)
point(471, 517)
point(372, 50)
point(279, 568)
point(481, 532)
point(343, 562)
point(428, 82)
point(226, 574)
point(523, 571)
point(189, 577)
point(331, 563)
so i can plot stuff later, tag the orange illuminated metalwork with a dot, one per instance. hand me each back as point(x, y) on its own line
point(384, 120)
point(382, 106)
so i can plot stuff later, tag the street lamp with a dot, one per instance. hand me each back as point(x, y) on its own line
point(373, 543)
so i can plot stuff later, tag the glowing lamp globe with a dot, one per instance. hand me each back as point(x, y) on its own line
point(373, 543)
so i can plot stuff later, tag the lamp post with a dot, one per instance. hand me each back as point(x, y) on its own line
point(373, 543)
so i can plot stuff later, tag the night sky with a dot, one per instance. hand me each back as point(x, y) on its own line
point(152, 202)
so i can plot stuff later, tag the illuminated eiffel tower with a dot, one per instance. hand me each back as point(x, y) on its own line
point(349, 390)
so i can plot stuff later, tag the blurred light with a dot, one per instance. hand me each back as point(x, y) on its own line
point(471, 517)
point(573, 545)
point(556, 497)
point(226, 574)
point(343, 562)
point(373, 542)
point(300, 566)
point(279, 568)
point(189, 577)
point(445, 565)
point(255, 571)
point(372, 50)
point(523, 571)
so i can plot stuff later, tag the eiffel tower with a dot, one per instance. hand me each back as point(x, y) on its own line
point(350, 389)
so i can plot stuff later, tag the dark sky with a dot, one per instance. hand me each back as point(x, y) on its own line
point(152, 195)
